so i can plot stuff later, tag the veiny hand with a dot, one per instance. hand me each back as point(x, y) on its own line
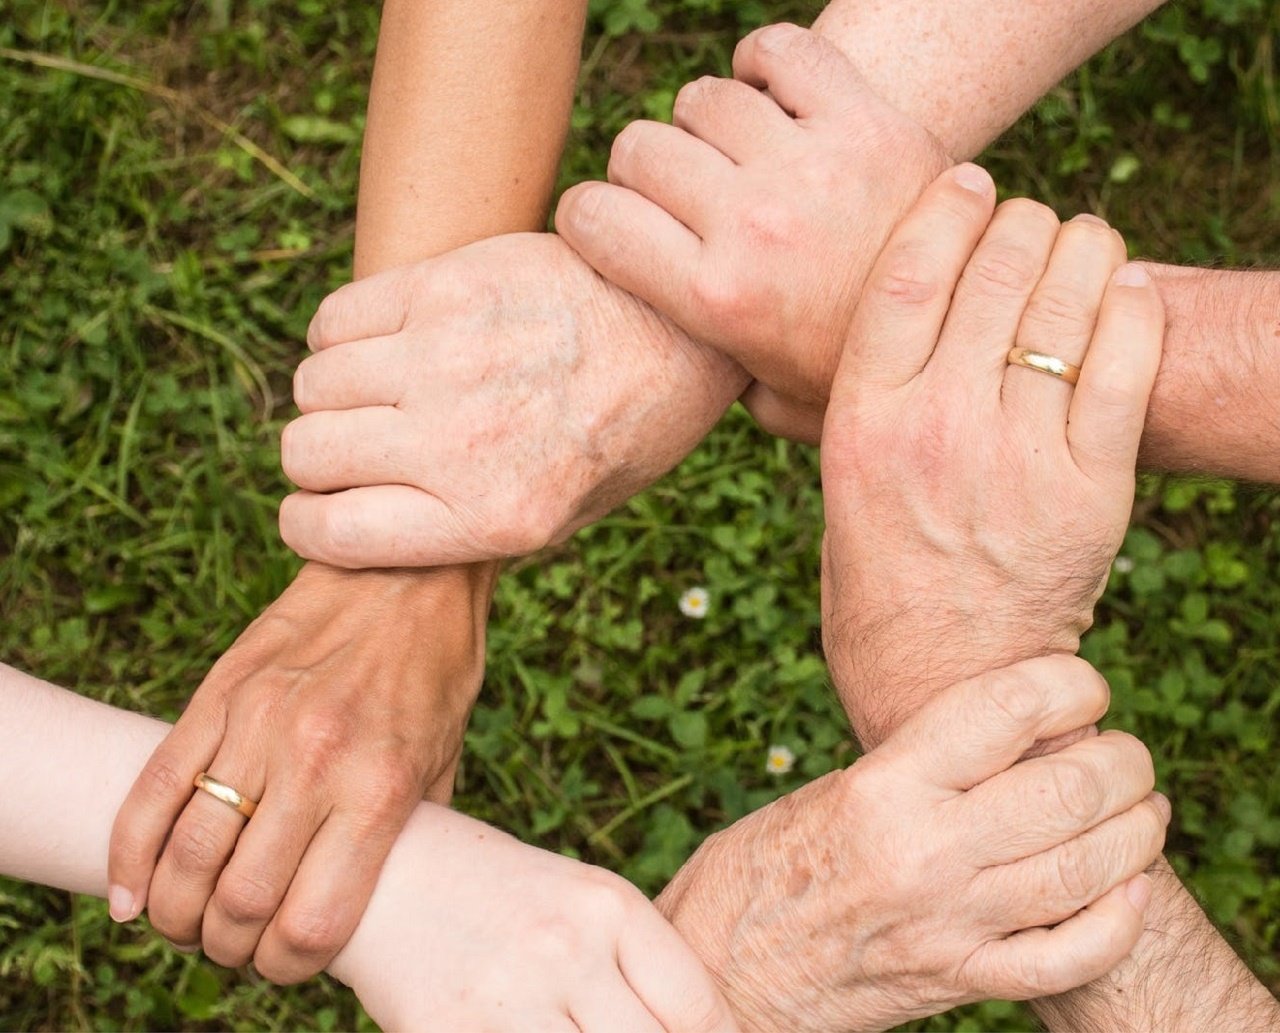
point(753, 220)
point(336, 709)
point(485, 404)
point(974, 507)
point(470, 929)
point(937, 870)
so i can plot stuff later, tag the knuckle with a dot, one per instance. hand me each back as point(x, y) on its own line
point(247, 899)
point(693, 95)
point(1017, 696)
point(909, 276)
point(391, 783)
point(1028, 214)
point(195, 849)
point(320, 332)
point(309, 932)
point(338, 533)
point(1076, 792)
point(319, 737)
point(1004, 269)
point(1075, 874)
point(161, 780)
point(1053, 305)
point(770, 223)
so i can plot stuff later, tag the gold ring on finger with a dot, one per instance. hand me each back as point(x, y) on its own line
point(221, 791)
point(1042, 363)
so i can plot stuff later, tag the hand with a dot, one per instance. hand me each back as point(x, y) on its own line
point(485, 404)
point(470, 929)
point(974, 507)
point(927, 875)
point(337, 708)
point(752, 222)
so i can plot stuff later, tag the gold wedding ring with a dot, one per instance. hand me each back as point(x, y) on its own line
point(1043, 363)
point(222, 791)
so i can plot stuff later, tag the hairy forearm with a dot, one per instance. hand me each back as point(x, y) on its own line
point(1215, 409)
point(467, 118)
point(1182, 976)
point(967, 69)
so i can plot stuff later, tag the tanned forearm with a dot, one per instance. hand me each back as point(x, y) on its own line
point(468, 114)
point(1216, 407)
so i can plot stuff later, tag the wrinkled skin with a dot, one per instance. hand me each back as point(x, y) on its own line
point(974, 507)
point(922, 877)
point(484, 404)
point(753, 220)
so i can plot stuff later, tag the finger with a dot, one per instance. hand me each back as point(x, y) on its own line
point(607, 1003)
point(390, 525)
point(906, 297)
point(783, 417)
point(376, 306)
point(635, 244)
point(1060, 318)
point(357, 374)
point(347, 448)
point(253, 885)
point(1052, 886)
point(159, 794)
point(326, 898)
point(986, 311)
point(676, 171)
point(1043, 962)
point(805, 73)
point(668, 977)
point(1109, 406)
point(1044, 802)
point(199, 847)
point(990, 721)
point(735, 120)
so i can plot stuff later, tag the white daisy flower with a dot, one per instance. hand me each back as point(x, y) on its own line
point(695, 602)
point(1123, 565)
point(779, 761)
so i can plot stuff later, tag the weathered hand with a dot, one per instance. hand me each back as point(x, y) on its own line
point(753, 220)
point(337, 709)
point(484, 404)
point(974, 507)
point(929, 874)
point(470, 929)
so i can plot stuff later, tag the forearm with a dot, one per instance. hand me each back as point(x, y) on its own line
point(1216, 406)
point(75, 759)
point(967, 69)
point(467, 118)
point(1182, 976)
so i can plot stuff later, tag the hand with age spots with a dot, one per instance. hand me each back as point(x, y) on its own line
point(937, 870)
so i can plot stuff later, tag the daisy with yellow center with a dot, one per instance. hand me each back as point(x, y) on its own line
point(779, 761)
point(695, 602)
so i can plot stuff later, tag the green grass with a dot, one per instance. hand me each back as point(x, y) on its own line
point(157, 273)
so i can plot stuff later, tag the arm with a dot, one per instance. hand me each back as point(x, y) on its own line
point(1007, 494)
point(467, 118)
point(467, 928)
point(1214, 407)
point(576, 395)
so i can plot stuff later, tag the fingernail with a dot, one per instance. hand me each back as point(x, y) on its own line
point(184, 948)
point(1132, 275)
point(1086, 217)
point(1139, 892)
point(121, 905)
point(1163, 806)
point(973, 178)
